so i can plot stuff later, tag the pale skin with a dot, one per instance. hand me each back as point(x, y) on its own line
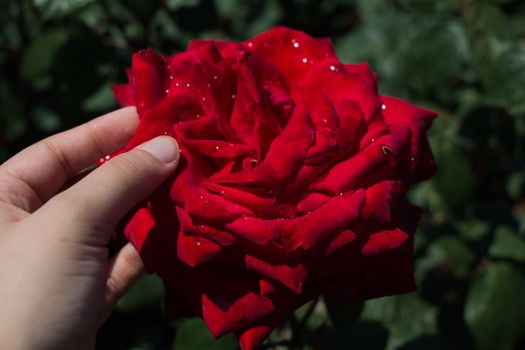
point(57, 286)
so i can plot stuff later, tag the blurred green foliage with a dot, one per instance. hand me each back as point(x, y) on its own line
point(462, 58)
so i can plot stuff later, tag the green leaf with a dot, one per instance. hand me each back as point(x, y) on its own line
point(516, 185)
point(405, 316)
point(146, 293)
point(50, 9)
point(494, 307)
point(40, 55)
point(449, 252)
point(504, 79)
point(507, 245)
point(192, 334)
point(454, 178)
point(317, 316)
point(46, 120)
point(473, 229)
point(101, 101)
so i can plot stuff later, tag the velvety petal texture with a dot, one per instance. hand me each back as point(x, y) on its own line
point(291, 183)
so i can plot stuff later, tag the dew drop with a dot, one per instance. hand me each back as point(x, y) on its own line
point(167, 91)
point(107, 157)
point(386, 149)
point(296, 45)
point(383, 107)
point(233, 96)
point(332, 67)
point(245, 218)
point(198, 116)
point(250, 44)
point(204, 98)
point(215, 77)
point(305, 59)
point(217, 148)
point(325, 120)
point(165, 133)
point(412, 159)
point(101, 160)
point(341, 194)
point(221, 192)
point(198, 243)
point(188, 84)
point(171, 77)
point(372, 140)
point(177, 84)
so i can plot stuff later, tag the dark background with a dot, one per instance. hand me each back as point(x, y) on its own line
point(462, 58)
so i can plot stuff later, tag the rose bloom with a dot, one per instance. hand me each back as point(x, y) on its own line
point(291, 183)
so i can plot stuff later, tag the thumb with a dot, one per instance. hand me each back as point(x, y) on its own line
point(102, 198)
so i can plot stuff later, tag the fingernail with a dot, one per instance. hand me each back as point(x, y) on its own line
point(164, 148)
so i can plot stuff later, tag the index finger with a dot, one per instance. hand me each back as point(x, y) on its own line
point(40, 170)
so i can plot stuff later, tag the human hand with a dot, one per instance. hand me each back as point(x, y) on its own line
point(57, 285)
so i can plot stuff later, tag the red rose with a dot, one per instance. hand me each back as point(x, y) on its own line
point(291, 182)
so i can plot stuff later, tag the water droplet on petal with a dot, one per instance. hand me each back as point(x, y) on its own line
point(245, 218)
point(386, 149)
point(215, 77)
point(217, 148)
point(325, 120)
point(171, 77)
point(332, 67)
point(250, 44)
point(341, 194)
point(101, 160)
point(167, 91)
point(296, 45)
point(412, 159)
point(107, 157)
point(383, 107)
point(188, 85)
point(372, 140)
point(221, 192)
point(305, 59)
point(165, 133)
point(198, 116)
point(177, 84)
point(198, 243)
point(233, 96)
